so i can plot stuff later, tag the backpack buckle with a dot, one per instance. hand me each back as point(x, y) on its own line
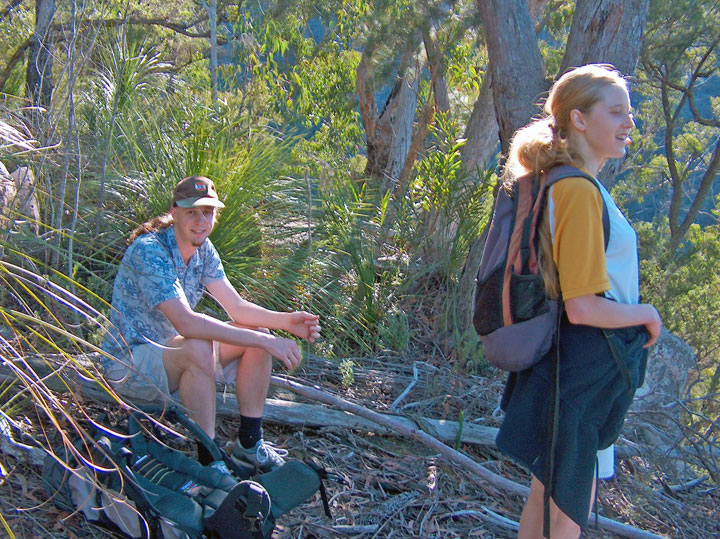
point(253, 502)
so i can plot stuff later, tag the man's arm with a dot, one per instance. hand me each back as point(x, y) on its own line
point(193, 325)
point(300, 323)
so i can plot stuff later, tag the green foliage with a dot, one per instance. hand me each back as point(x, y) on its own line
point(347, 373)
point(685, 288)
point(453, 205)
point(357, 283)
point(458, 437)
point(15, 28)
point(678, 64)
point(450, 209)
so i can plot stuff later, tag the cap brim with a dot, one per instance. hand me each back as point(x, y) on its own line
point(195, 202)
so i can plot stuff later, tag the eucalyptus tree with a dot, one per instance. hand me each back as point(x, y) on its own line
point(678, 83)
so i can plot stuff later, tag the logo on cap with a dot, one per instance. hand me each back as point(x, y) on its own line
point(200, 187)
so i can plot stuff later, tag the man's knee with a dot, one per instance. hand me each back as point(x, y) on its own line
point(260, 357)
point(196, 354)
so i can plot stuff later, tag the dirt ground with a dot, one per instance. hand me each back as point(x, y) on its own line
point(394, 486)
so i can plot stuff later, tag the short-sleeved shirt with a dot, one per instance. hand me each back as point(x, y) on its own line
point(584, 265)
point(153, 271)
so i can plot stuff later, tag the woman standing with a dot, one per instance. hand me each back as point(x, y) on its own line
point(604, 333)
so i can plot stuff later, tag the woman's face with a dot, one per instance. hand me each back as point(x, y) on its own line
point(606, 125)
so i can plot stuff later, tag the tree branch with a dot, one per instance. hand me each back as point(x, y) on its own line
point(60, 30)
point(675, 179)
point(437, 74)
point(179, 28)
point(16, 58)
point(706, 184)
point(688, 90)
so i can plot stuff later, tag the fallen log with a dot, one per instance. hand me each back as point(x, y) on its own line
point(276, 411)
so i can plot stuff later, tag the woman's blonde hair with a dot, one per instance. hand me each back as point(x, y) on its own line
point(546, 142)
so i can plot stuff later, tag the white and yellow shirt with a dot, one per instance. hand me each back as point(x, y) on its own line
point(584, 266)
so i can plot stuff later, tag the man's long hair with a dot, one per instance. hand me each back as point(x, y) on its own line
point(151, 225)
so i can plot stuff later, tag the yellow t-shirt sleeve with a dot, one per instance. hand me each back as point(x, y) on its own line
point(578, 241)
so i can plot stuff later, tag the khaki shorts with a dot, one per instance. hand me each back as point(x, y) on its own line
point(142, 374)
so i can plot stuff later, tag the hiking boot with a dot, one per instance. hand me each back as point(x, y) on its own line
point(263, 455)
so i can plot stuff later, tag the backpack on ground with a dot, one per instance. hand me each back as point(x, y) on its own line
point(141, 487)
point(513, 315)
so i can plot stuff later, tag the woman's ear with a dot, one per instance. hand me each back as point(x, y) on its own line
point(577, 120)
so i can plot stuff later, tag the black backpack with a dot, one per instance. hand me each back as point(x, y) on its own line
point(139, 486)
point(513, 316)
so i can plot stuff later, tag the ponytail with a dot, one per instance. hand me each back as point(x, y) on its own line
point(152, 225)
point(537, 147)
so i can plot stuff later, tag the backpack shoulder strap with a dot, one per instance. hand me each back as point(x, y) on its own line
point(566, 171)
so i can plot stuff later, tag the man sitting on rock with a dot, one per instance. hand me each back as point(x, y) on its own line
point(160, 345)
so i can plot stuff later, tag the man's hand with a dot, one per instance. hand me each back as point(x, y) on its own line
point(304, 325)
point(285, 350)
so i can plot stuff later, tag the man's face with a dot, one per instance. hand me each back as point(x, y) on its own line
point(193, 225)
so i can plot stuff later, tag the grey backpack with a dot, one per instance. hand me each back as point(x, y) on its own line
point(514, 317)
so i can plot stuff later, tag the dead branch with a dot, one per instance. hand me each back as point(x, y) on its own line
point(10, 446)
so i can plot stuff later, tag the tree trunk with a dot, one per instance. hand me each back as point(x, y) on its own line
point(437, 72)
point(606, 31)
point(38, 81)
point(517, 79)
point(388, 134)
point(481, 133)
point(440, 103)
point(516, 65)
point(212, 20)
point(416, 144)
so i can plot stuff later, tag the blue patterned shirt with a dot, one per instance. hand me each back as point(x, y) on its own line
point(152, 271)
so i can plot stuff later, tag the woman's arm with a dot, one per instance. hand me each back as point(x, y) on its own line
point(592, 310)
